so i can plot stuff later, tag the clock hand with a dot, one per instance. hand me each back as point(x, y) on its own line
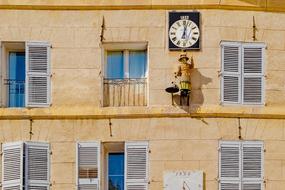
point(184, 32)
point(188, 36)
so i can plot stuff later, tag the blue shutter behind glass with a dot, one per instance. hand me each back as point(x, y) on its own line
point(115, 65)
point(16, 79)
point(137, 64)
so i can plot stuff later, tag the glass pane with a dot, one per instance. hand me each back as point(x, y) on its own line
point(116, 171)
point(137, 64)
point(16, 79)
point(115, 65)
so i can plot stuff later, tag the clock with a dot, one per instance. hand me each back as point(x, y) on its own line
point(183, 180)
point(184, 30)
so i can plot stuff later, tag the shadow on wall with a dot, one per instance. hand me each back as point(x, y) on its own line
point(196, 95)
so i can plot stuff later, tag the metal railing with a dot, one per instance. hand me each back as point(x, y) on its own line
point(125, 92)
point(16, 92)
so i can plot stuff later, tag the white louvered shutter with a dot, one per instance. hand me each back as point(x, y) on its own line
point(253, 73)
point(231, 72)
point(12, 166)
point(252, 167)
point(37, 165)
point(136, 165)
point(88, 165)
point(37, 74)
point(230, 165)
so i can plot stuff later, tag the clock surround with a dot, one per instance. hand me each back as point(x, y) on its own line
point(184, 31)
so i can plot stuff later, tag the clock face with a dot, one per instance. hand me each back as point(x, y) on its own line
point(184, 33)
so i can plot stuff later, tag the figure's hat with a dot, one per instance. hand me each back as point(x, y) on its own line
point(183, 56)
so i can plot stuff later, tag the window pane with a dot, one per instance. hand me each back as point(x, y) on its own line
point(16, 79)
point(137, 64)
point(116, 171)
point(115, 65)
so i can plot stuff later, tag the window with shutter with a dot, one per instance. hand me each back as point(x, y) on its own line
point(242, 73)
point(136, 165)
point(252, 165)
point(37, 74)
point(26, 74)
point(37, 165)
point(253, 74)
point(25, 164)
point(230, 166)
point(231, 81)
point(12, 166)
point(241, 165)
point(88, 165)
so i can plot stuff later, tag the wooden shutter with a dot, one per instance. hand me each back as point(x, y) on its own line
point(252, 186)
point(252, 165)
point(230, 165)
point(136, 165)
point(88, 165)
point(12, 166)
point(230, 185)
point(253, 73)
point(37, 166)
point(37, 74)
point(231, 74)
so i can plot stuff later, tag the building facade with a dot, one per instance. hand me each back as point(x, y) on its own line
point(83, 90)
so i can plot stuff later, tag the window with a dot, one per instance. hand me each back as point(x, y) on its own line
point(116, 171)
point(125, 165)
point(241, 165)
point(242, 73)
point(26, 74)
point(25, 166)
point(16, 79)
point(125, 75)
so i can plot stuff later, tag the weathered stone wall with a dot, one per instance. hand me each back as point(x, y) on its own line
point(182, 143)
point(76, 60)
point(175, 143)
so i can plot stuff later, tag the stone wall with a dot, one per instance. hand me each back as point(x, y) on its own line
point(182, 143)
point(76, 60)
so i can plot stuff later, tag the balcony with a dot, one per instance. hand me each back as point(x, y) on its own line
point(125, 92)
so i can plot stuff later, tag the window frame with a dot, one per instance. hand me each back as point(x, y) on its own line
point(24, 181)
point(121, 46)
point(241, 73)
point(22, 46)
point(6, 48)
point(240, 180)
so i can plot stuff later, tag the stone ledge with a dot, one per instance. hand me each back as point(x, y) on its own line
point(142, 6)
point(195, 111)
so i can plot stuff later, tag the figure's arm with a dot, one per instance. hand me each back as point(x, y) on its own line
point(178, 73)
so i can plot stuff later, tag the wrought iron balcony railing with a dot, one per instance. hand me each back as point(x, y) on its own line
point(16, 92)
point(15, 86)
point(125, 92)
